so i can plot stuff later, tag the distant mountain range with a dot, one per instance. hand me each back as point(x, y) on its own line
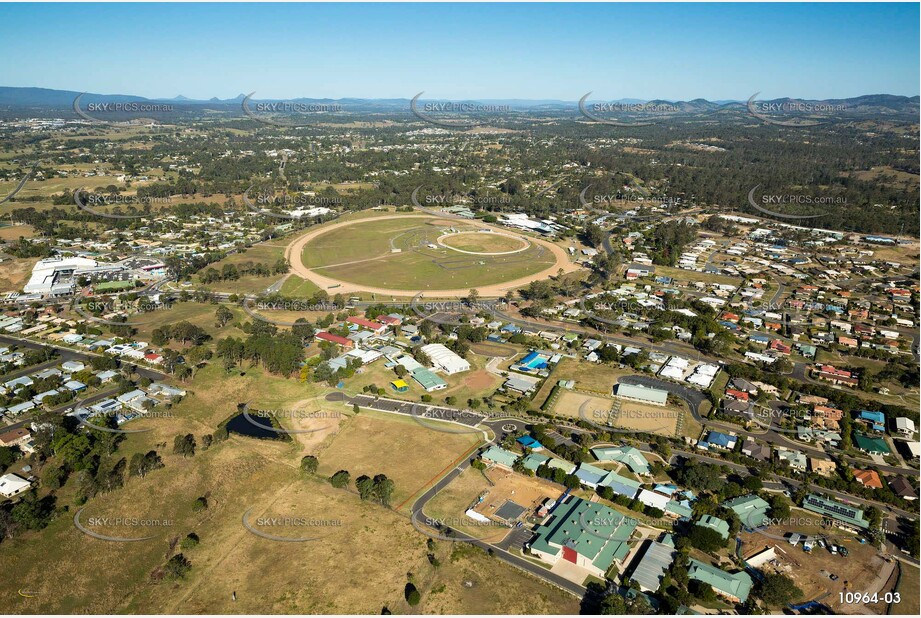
point(884, 104)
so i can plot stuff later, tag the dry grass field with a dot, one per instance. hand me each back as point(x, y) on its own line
point(15, 272)
point(14, 232)
point(410, 454)
point(358, 563)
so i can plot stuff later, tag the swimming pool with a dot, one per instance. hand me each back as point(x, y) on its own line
point(534, 360)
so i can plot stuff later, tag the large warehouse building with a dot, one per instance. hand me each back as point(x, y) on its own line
point(444, 359)
point(57, 276)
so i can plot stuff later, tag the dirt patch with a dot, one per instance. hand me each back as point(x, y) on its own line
point(525, 491)
point(863, 570)
point(479, 380)
point(14, 273)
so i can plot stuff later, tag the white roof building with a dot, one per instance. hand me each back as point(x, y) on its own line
point(444, 359)
point(651, 498)
point(12, 485)
point(45, 274)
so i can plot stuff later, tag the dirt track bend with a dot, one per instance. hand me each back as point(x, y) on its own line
point(296, 248)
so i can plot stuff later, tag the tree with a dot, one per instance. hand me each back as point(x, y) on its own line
point(309, 464)
point(383, 489)
point(365, 486)
point(223, 316)
point(702, 591)
point(613, 605)
point(412, 595)
point(200, 504)
point(184, 445)
point(177, 567)
point(706, 539)
point(778, 590)
point(340, 479)
point(7, 457)
point(54, 477)
point(32, 512)
point(191, 540)
point(571, 481)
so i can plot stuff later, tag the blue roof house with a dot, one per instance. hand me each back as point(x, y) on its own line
point(529, 442)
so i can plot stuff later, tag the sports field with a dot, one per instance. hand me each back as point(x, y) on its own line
point(625, 415)
point(418, 253)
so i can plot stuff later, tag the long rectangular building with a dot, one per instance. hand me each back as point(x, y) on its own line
point(642, 394)
point(444, 359)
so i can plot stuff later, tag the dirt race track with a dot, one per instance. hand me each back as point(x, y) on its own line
point(296, 248)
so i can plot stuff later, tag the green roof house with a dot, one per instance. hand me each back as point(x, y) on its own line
point(584, 533)
point(733, 586)
point(499, 456)
point(534, 460)
point(847, 516)
point(714, 523)
point(428, 380)
point(633, 458)
point(871, 446)
point(752, 510)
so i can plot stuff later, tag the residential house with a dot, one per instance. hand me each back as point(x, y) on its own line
point(11, 485)
point(733, 586)
point(868, 478)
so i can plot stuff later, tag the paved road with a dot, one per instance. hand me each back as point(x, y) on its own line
point(61, 410)
point(513, 541)
point(67, 354)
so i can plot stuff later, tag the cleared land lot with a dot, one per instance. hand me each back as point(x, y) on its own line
point(528, 492)
point(450, 504)
point(862, 570)
point(15, 272)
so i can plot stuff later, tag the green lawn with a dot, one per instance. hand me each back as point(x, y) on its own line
point(295, 287)
point(364, 253)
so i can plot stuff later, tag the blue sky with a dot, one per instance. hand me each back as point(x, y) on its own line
point(529, 51)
